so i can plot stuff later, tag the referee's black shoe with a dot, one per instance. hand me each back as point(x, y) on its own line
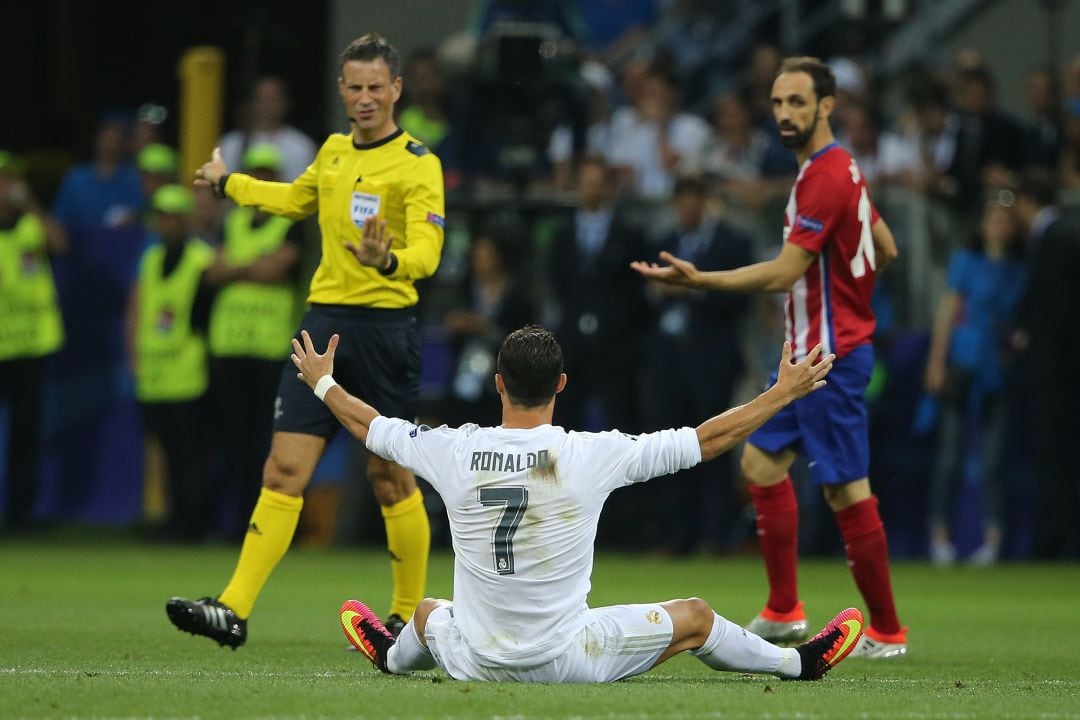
point(206, 616)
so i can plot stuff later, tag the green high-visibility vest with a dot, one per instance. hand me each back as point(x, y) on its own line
point(170, 363)
point(30, 322)
point(249, 319)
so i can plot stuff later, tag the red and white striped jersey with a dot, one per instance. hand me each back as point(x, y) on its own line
point(829, 213)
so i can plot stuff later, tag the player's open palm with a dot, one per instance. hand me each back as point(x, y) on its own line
point(375, 242)
point(676, 272)
point(311, 364)
point(801, 378)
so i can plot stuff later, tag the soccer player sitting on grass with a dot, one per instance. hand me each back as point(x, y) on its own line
point(524, 499)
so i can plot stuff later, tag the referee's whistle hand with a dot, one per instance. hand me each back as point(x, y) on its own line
point(310, 363)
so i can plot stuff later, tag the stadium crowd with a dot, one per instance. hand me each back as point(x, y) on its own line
point(634, 134)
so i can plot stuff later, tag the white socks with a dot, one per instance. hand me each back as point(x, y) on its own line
point(730, 647)
point(408, 653)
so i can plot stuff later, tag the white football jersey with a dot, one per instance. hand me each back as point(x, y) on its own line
point(523, 507)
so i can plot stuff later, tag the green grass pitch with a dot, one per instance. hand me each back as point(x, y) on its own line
point(83, 634)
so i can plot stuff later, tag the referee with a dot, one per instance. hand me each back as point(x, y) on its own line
point(379, 195)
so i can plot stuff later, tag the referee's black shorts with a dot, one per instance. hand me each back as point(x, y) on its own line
point(377, 360)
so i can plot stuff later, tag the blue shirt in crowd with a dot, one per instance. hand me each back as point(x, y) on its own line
point(989, 290)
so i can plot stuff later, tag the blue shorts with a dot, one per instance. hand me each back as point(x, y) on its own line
point(829, 426)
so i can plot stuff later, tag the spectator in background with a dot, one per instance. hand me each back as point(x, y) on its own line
point(745, 162)
point(601, 306)
point(933, 134)
point(765, 59)
point(95, 439)
point(987, 144)
point(168, 314)
point(250, 328)
point(105, 193)
point(652, 141)
point(425, 114)
point(263, 121)
point(884, 157)
point(562, 152)
point(1049, 346)
point(1043, 133)
point(964, 371)
point(695, 363)
point(31, 329)
point(496, 301)
point(158, 165)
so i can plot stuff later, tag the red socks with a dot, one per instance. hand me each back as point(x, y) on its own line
point(868, 558)
point(778, 530)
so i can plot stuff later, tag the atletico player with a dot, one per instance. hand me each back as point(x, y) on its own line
point(834, 244)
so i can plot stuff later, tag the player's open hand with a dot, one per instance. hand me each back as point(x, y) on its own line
point(375, 243)
point(311, 364)
point(797, 379)
point(676, 272)
point(210, 173)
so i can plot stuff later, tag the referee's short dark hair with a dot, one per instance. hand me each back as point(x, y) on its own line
point(530, 362)
point(369, 47)
point(819, 72)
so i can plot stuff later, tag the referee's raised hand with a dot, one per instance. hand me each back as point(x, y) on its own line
point(311, 364)
point(375, 243)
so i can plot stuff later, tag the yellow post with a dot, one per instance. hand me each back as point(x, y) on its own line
point(202, 81)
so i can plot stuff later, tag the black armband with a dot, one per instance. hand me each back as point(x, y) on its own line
point(389, 269)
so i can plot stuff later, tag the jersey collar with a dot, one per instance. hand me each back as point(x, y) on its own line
point(368, 146)
point(823, 150)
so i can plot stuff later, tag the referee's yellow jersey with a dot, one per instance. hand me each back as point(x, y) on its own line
point(397, 179)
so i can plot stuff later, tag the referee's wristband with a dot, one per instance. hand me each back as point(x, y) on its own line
point(323, 386)
point(219, 187)
point(390, 267)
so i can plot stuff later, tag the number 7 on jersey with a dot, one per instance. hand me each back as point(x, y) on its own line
point(515, 500)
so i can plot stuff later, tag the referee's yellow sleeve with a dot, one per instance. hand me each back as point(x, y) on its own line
point(295, 200)
point(425, 212)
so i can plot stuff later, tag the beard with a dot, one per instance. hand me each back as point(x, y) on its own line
point(799, 139)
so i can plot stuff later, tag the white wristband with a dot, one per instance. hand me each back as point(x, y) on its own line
point(323, 386)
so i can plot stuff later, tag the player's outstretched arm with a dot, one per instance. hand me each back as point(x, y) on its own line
point(776, 275)
point(318, 372)
point(719, 434)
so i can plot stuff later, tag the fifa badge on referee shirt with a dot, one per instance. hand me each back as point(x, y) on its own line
point(364, 206)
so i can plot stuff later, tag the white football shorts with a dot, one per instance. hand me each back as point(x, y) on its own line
point(617, 642)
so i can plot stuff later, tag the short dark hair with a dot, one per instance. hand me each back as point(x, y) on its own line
point(530, 362)
point(369, 47)
point(819, 72)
